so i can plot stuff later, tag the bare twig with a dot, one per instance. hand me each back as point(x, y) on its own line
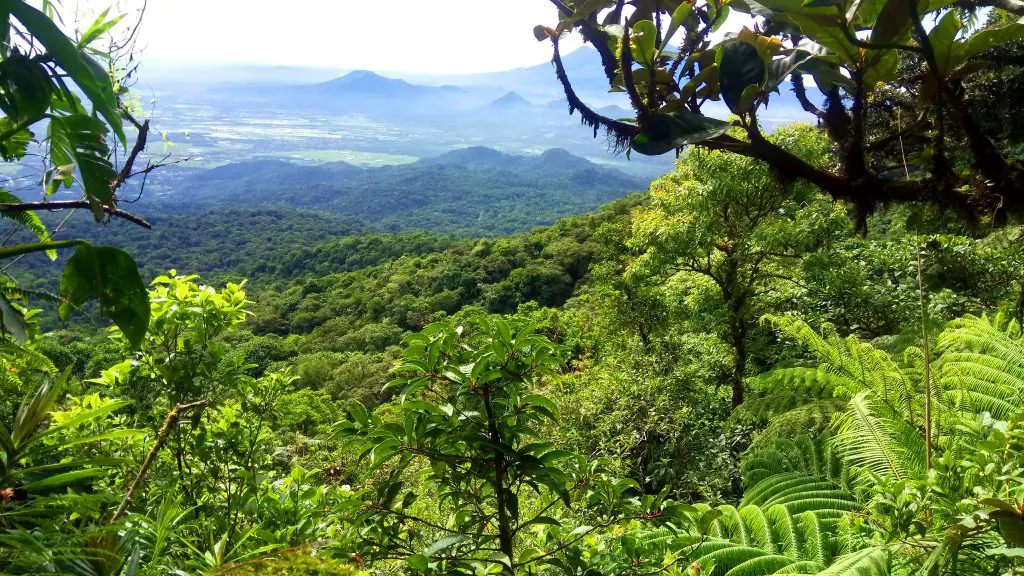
point(161, 438)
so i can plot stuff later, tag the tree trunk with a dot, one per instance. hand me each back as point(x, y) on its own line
point(739, 369)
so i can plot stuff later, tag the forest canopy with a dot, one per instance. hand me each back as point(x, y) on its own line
point(798, 352)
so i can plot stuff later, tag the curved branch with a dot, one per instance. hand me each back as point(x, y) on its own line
point(619, 133)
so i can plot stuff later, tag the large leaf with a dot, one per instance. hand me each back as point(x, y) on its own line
point(26, 88)
point(679, 16)
point(79, 139)
point(741, 65)
point(94, 83)
point(111, 276)
point(61, 480)
point(644, 37)
point(943, 40)
point(666, 132)
point(13, 319)
point(780, 68)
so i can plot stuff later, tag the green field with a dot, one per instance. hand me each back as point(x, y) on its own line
point(357, 157)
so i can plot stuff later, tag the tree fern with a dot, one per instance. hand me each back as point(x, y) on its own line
point(850, 366)
point(982, 366)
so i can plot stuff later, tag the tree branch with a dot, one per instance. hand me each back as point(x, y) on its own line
point(70, 204)
point(161, 438)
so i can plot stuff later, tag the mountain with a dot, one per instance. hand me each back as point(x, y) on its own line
point(366, 91)
point(475, 190)
point(510, 102)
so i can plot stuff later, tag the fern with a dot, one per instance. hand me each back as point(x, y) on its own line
point(982, 366)
point(27, 219)
point(873, 436)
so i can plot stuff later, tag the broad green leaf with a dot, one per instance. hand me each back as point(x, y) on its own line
point(79, 139)
point(740, 66)
point(445, 543)
point(943, 40)
point(780, 68)
point(418, 562)
point(27, 90)
point(644, 36)
point(61, 480)
point(111, 276)
point(96, 87)
point(990, 38)
point(666, 132)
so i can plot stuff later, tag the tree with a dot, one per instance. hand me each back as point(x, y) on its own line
point(468, 431)
point(728, 218)
point(865, 58)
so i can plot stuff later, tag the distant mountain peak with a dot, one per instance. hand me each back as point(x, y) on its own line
point(511, 99)
point(366, 80)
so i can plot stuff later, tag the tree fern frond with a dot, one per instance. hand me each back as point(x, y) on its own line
point(867, 562)
point(879, 441)
point(27, 219)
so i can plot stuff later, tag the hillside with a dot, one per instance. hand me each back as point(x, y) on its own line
point(476, 190)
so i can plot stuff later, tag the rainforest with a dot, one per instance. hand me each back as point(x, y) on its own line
point(721, 288)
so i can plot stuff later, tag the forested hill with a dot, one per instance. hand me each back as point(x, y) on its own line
point(471, 191)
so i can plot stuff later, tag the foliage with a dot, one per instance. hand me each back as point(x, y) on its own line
point(37, 64)
point(866, 59)
point(468, 428)
point(742, 229)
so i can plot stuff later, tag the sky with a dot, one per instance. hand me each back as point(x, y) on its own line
point(416, 36)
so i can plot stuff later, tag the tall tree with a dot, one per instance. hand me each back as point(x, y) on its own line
point(728, 218)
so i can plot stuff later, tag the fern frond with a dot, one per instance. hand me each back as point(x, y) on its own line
point(27, 219)
point(867, 562)
point(871, 435)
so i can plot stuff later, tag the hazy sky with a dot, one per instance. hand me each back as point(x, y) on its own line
point(427, 36)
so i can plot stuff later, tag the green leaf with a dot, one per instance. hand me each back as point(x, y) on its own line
point(98, 28)
point(418, 562)
point(780, 68)
point(678, 17)
point(61, 480)
point(893, 23)
point(821, 3)
point(84, 416)
point(111, 276)
point(111, 435)
point(740, 66)
point(97, 87)
point(13, 320)
point(943, 41)
point(992, 37)
point(445, 543)
point(644, 35)
point(666, 132)
point(79, 139)
point(26, 88)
